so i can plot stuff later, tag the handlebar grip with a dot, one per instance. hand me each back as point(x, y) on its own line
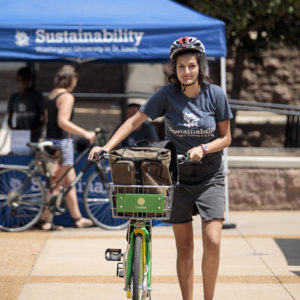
point(102, 154)
point(183, 157)
point(99, 130)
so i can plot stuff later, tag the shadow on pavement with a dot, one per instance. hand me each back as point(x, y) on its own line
point(291, 250)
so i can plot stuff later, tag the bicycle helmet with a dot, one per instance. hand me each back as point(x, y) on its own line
point(184, 44)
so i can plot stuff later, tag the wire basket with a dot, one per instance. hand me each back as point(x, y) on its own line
point(141, 201)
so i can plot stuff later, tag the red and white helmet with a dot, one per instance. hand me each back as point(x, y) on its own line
point(184, 44)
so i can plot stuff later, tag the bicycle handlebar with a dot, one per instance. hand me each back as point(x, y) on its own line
point(101, 155)
point(104, 155)
point(99, 131)
point(183, 157)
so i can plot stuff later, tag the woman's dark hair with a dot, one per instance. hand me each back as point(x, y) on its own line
point(65, 76)
point(203, 79)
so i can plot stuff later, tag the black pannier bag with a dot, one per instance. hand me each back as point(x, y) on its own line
point(154, 165)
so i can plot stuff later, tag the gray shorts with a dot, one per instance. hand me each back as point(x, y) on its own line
point(201, 191)
point(67, 148)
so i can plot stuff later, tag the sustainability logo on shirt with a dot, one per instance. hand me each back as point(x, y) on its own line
point(190, 120)
point(191, 127)
point(193, 132)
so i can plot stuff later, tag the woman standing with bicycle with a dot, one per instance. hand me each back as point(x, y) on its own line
point(197, 121)
point(59, 129)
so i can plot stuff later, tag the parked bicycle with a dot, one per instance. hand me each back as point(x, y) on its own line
point(140, 204)
point(23, 194)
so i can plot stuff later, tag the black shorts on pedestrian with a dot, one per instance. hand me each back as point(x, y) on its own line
point(201, 190)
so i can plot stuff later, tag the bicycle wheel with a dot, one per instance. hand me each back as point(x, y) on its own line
point(97, 205)
point(138, 291)
point(22, 199)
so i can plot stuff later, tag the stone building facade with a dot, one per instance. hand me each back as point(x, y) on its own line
point(264, 189)
point(277, 80)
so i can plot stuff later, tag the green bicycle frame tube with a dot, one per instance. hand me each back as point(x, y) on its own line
point(146, 236)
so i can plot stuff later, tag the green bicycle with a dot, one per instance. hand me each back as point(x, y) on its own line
point(140, 204)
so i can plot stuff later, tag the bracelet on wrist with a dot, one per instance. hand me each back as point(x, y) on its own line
point(204, 149)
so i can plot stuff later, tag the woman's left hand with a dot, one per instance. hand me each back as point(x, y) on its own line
point(94, 152)
point(196, 153)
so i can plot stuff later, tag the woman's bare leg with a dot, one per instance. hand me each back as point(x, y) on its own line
point(185, 258)
point(47, 216)
point(71, 197)
point(211, 236)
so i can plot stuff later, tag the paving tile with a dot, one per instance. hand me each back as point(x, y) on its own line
point(67, 257)
point(93, 231)
point(11, 286)
point(271, 254)
point(267, 222)
point(18, 255)
point(161, 291)
point(78, 291)
point(294, 289)
point(258, 291)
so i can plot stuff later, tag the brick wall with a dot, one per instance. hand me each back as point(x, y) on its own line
point(264, 189)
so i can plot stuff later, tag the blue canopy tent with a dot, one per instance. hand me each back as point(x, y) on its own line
point(117, 30)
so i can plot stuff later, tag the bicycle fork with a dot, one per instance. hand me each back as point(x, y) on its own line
point(117, 255)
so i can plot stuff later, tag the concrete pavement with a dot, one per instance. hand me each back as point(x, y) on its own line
point(260, 260)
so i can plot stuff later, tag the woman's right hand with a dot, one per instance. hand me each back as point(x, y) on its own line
point(94, 152)
point(90, 136)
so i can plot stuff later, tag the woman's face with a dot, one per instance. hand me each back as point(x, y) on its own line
point(187, 68)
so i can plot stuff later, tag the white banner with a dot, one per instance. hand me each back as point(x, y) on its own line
point(18, 141)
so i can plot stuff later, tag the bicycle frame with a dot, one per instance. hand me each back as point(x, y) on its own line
point(140, 204)
point(64, 191)
point(139, 228)
point(82, 172)
point(23, 192)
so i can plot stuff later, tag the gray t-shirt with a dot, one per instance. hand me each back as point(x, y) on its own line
point(189, 122)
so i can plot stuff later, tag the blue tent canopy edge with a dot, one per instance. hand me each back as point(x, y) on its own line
point(98, 30)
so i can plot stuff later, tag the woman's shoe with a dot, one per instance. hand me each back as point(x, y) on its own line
point(82, 223)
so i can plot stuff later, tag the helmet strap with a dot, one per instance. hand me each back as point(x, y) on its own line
point(184, 86)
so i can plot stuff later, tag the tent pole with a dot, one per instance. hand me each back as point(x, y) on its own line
point(226, 224)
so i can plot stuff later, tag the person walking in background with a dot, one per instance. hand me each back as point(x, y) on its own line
point(26, 108)
point(59, 130)
point(145, 132)
point(197, 121)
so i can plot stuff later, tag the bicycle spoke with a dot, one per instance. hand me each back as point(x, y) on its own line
point(21, 199)
point(33, 195)
point(97, 205)
point(29, 208)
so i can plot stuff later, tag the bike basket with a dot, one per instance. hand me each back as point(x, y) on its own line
point(141, 201)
